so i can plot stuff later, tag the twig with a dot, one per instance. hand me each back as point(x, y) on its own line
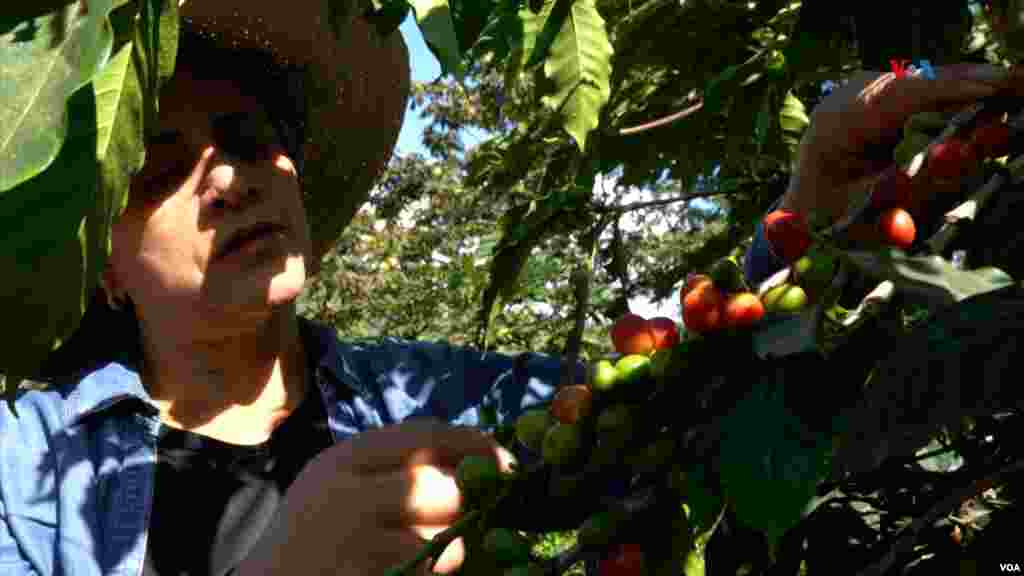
point(633, 505)
point(662, 202)
point(674, 117)
point(969, 209)
point(908, 536)
point(581, 279)
point(437, 544)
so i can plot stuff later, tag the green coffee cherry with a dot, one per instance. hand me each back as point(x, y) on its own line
point(478, 478)
point(633, 368)
point(605, 376)
point(788, 298)
point(561, 443)
point(532, 425)
point(727, 275)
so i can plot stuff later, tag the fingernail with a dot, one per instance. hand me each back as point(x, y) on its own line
point(506, 460)
point(987, 73)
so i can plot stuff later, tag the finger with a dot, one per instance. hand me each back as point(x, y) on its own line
point(889, 101)
point(452, 556)
point(415, 442)
point(419, 495)
point(396, 547)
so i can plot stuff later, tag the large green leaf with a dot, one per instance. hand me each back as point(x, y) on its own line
point(544, 28)
point(435, 21)
point(770, 463)
point(43, 61)
point(963, 361)
point(932, 278)
point(523, 30)
point(64, 215)
point(579, 63)
point(14, 13)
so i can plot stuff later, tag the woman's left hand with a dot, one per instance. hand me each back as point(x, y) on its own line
point(852, 131)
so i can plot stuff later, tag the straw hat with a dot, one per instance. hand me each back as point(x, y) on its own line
point(354, 94)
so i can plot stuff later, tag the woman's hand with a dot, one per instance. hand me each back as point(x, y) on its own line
point(853, 130)
point(370, 503)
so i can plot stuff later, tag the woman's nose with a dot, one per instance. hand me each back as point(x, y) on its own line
point(231, 185)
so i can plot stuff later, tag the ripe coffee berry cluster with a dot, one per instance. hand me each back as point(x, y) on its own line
point(896, 192)
point(945, 162)
point(555, 432)
point(717, 302)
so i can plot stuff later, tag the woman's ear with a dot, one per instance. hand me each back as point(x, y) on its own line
point(109, 284)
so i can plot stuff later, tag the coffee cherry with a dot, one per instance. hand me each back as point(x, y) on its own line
point(950, 159)
point(742, 310)
point(897, 228)
point(702, 308)
point(893, 188)
point(788, 234)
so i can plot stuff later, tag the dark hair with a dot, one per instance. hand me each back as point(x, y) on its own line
point(107, 335)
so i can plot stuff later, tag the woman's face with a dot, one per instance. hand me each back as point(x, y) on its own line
point(215, 233)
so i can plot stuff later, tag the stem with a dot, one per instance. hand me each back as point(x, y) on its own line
point(437, 544)
point(664, 121)
point(905, 543)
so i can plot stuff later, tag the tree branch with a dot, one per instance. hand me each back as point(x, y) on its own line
point(656, 203)
point(905, 543)
point(665, 121)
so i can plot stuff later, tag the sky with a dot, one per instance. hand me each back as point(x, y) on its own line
point(425, 68)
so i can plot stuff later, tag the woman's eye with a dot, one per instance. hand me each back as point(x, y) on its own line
point(169, 160)
point(249, 136)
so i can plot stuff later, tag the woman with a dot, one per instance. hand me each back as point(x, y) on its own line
point(223, 442)
point(239, 438)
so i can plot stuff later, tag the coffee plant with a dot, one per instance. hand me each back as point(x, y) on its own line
point(855, 413)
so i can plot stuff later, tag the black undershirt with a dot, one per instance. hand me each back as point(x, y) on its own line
point(213, 500)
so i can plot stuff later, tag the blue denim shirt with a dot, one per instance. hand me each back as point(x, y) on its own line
point(761, 261)
point(77, 464)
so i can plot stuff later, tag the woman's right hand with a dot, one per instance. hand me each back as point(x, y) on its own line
point(370, 503)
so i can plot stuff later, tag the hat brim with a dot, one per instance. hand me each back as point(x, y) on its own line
point(356, 89)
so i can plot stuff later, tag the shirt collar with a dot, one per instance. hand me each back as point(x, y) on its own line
point(330, 356)
point(115, 382)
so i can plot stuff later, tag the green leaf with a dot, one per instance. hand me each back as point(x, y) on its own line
point(503, 29)
point(435, 21)
point(14, 13)
point(960, 362)
point(553, 16)
point(387, 17)
point(713, 91)
point(65, 213)
point(523, 30)
point(770, 463)
point(779, 335)
point(793, 120)
point(704, 505)
point(579, 63)
point(930, 277)
point(764, 119)
point(43, 61)
point(470, 18)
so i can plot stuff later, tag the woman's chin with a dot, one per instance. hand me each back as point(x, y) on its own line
point(265, 290)
point(286, 286)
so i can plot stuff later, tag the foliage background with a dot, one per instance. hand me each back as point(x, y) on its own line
point(416, 261)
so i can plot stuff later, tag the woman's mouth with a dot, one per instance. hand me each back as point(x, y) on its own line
point(250, 238)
